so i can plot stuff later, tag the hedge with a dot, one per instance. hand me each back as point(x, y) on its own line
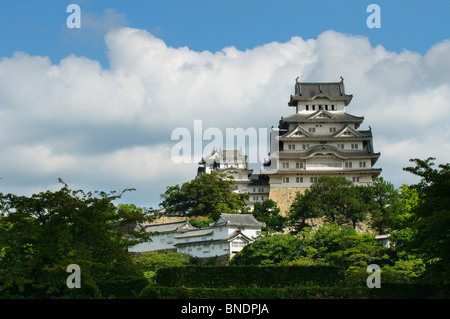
point(249, 276)
point(307, 292)
point(388, 291)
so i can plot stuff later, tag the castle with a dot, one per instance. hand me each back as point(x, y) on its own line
point(320, 138)
point(226, 237)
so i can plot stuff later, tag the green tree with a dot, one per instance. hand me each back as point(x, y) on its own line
point(151, 262)
point(358, 203)
point(303, 208)
point(269, 250)
point(341, 246)
point(332, 195)
point(431, 217)
point(42, 234)
point(387, 209)
point(269, 213)
point(336, 198)
point(409, 199)
point(207, 195)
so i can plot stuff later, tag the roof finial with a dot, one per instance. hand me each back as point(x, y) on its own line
point(297, 86)
point(342, 79)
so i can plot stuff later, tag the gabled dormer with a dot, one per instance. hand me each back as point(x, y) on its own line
point(322, 114)
point(299, 131)
point(348, 131)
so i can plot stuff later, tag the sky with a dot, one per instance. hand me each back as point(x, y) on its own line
point(97, 106)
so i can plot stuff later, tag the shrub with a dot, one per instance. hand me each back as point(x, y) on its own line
point(249, 276)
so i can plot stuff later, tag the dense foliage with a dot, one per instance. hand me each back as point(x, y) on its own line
point(430, 218)
point(249, 276)
point(269, 213)
point(207, 195)
point(151, 262)
point(389, 291)
point(41, 235)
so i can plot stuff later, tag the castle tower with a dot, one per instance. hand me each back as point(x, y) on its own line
point(321, 138)
point(234, 163)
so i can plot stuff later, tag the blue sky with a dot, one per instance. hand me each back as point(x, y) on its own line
point(97, 106)
point(39, 27)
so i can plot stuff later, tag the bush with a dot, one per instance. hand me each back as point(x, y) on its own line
point(388, 291)
point(249, 276)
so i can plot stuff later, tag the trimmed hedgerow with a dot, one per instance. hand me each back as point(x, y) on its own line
point(388, 291)
point(249, 276)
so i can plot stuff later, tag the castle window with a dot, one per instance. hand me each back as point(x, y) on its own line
point(362, 164)
point(313, 107)
point(305, 146)
point(332, 129)
point(312, 129)
point(285, 164)
point(340, 146)
point(355, 179)
point(348, 164)
point(326, 107)
point(354, 146)
point(307, 107)
point(332, 107)
point(299, 179)
point(285, 179)
point(298, 165)
point(313, 179)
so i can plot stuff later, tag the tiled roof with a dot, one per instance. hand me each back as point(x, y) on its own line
point(310, 152)
point(307, 172)
point(239, 233)
point(169, 227)
point(306, 91)
point(231, 237)
point(333, 117)
point(363, 136)
point(196, 232)
point(239, 220)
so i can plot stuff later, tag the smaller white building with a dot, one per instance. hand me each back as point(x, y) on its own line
point(227, 236)
point(384, 240)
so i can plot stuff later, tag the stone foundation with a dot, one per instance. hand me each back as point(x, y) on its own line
point(284, 196)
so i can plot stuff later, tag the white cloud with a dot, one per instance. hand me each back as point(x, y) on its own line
point(111, 128)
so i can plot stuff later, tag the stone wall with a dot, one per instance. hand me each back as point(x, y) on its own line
point(284, 196)
point(167, 219)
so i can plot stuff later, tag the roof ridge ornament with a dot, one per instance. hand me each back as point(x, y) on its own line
point(341, 86)
point(297, 86)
